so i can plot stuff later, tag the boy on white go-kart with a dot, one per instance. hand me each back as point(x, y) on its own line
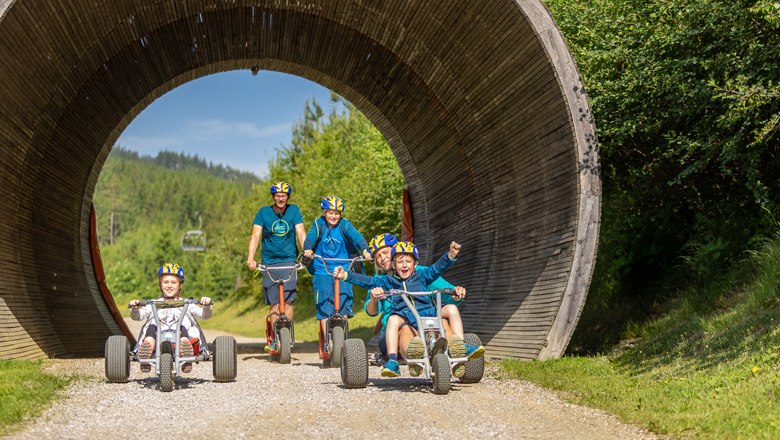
point(171, 279)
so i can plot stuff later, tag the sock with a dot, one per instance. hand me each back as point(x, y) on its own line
point(392, 357)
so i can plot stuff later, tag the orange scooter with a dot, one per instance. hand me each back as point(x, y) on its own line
point(281, 332)
point(336, 327)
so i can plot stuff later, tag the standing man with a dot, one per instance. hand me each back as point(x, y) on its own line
point(279, 225)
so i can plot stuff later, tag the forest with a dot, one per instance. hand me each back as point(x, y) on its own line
point(145, 205)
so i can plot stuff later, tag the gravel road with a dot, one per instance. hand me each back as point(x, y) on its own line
point(304, 400)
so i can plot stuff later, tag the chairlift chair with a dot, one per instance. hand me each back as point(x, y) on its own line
point(193, 241)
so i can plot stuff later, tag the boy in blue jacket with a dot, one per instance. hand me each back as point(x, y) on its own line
point(410, 346)
point(407, 277)
point(331, 236)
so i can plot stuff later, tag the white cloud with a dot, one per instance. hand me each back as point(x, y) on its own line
point(149, 144)
point(217, 128)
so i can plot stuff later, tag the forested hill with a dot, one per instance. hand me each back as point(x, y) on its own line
point(180, 161)
point(144, 206)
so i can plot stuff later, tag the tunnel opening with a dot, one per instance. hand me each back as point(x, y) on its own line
point(484, 111)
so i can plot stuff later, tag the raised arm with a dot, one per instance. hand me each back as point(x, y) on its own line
point(441, 265)
point(358, 279)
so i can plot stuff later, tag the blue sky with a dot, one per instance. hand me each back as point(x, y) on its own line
point(233, 118)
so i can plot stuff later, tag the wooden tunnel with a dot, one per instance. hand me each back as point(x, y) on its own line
point(479, 100)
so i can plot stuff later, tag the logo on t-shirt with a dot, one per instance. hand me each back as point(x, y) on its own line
point(280, 228)
point(331, 245)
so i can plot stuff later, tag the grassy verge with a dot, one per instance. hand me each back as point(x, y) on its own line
point(709, 367)
point(25, 390)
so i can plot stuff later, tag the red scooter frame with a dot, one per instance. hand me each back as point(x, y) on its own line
point(282, 328)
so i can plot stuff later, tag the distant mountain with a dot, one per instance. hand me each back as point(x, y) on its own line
point(181, 161)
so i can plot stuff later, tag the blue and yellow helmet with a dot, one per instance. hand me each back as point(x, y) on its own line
point(405, 247)
point(281, 187)
point(380, 241)
point(171, 269)
point(332, 202)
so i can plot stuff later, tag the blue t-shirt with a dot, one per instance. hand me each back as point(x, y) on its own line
point(278, 233)
point(331, 245)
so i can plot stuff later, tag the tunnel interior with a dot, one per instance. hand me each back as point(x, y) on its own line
point(482, 106)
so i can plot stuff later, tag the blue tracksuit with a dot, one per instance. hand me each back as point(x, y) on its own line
point(338, 242)
point(418, 282)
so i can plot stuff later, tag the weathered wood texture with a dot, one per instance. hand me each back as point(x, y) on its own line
point(479, 100)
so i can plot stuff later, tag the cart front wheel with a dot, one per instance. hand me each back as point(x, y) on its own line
point(441, 374)
point(166, 372)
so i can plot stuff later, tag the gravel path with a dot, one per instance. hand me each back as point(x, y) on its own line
point(304, 400)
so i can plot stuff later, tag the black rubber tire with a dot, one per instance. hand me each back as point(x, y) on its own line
point(441, 374)
point(284, 346)
point(475, 368)
point(354, 364)
point(225, 362)
point(117, 355)
point(337, 346)
point(166, 372)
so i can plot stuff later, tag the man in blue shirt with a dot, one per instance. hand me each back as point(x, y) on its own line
point(277, 226)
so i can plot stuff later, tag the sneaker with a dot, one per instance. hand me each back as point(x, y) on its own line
point(391, 369)
point(475, 352)
point(269, 347)
point(458, 350)
point(415, 351)
point(145, 352)
point(324, 354)
point(186, 350)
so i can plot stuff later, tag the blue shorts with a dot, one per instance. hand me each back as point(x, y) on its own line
point(271, 289)
point(323, 297)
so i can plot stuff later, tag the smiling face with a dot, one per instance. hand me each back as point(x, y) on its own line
point(170, 285)
point(280, 199)
point(332, 216)
point(382, 258)
point(404, 265)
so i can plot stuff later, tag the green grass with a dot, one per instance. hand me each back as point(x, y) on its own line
point(708, 367)
point(25, 391)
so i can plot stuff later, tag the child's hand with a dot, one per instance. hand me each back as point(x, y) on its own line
point(339, 273)
point(135, 304)
point(205, 301)
point(367, 255)
point(378, 293)
point(454, 249)
point(459, 292)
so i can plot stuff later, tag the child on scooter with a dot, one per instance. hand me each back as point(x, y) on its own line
point(170, 278)
point(404, 257)
point(331, 236)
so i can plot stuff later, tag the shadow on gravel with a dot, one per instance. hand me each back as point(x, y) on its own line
point(153, 383)
point(405, 385)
